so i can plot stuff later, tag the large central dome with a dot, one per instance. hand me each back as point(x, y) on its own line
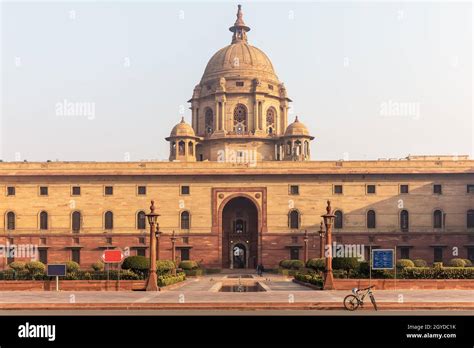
point(239, 59)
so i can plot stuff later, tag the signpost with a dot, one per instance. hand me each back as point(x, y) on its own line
point(57, 271)
point(383, 259)
point(113, 256)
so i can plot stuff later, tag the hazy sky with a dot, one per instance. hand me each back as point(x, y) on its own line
point(369, 79)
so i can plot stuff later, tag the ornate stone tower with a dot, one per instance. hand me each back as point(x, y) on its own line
point(240, 108)
point(182, 143)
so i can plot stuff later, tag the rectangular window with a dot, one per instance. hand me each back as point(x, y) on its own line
point(470, 253)
point(108, 240)
point(294, 190)
point(294, 240)
point(294, 253)
point(76, 190)
point(370, 189)
point(185, 254)
point(10, 190)
point(185, 190)
point(141, 252)
point(141, 240)
point(75, 240)
point(470, 188)
point(76, 255)
point(403, 188)
point(338, 189)
point(43, 256)
point(10, 258)
point(43, 241)
point(404, 253)
point(186, 240)
point(437, 189)
point(239, 83)
point(43, 191)
point(108, 190)
point(142, 190)
point(438, 254)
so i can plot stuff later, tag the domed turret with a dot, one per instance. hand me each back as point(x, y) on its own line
point(182, 142)
point(295, 142)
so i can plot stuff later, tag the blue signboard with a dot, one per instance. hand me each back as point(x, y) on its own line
point(56, 270)
point(382, 259)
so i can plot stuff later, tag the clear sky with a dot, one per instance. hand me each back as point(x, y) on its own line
point(369, 79)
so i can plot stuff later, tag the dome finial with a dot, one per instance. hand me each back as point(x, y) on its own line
point(239, 28)
point(182, 119)
point(296, 119)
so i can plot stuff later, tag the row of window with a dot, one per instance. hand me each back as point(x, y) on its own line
point(294, 219)
point(76, 220)
point(185, 190)
point(371, 189)
point(76, 190)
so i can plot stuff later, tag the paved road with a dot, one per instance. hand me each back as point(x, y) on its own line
point(232, 312)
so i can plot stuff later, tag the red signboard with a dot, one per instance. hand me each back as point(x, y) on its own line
point(113, 256)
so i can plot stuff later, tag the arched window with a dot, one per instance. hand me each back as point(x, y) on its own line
point(271, 115)
point(181, 148)
point(288, 147)
point(297, 148)
point(185, 220)
point(438, 219)
point(43, 220)
point(470, 218)
point(306, 148)
point(240, 119)
point(338, 219)
point(404, 220)
point(294, 219)
point(141, 220)
point(371, 223)
point(191, 148)
point(109, 220)
point(76, 221)
point(11, 220)
point(173, 148)
point(209, 121)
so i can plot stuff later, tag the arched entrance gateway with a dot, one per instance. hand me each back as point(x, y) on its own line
point(239, 233)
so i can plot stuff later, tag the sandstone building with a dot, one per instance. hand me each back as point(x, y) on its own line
point(239, 188)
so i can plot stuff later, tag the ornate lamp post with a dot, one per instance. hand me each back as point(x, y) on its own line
point(173, 249)
point(152, 281)
point(328, 222)
point(305, 240)
point(322, 233)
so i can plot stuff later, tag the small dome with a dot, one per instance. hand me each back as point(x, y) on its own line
point(296, 128)
point(182, 129)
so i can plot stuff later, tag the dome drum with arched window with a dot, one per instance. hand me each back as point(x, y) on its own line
point(240, 107)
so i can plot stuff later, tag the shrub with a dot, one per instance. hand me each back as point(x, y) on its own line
point(310, 278)
point(345, 263)
point(98, 266)
point(17, 265)
point(35, 269)
point(468, 263)
point(291, 264)
point(316, 264)
point(72, 266)
point(437, 273)
point(420, 263)
point(194, 272)
point(457, 263)
point(137, 264)
point(403, 263)
point(188, 265)
point(165, 280)
point(164, 266)
point(437, 265)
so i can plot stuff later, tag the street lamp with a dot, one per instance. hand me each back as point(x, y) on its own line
point(305, 240)
point(173, 249)
point(328, 222)
point(152, 281)
point(322, 233)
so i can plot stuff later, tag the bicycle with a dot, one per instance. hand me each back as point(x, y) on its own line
point(352, 302)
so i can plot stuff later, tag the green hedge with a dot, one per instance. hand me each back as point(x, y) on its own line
point(72, 266)
point(310, 278)
point(420, 263)
point(345, 263)
point(403, 263)
point(164, 267)
point(318, 264)
point(36, 269)
point(188, 265)
point(165, 280)
point(457, 263)
point(438, 273)
point(194, 272)
point(291, 264)
point(137, 264)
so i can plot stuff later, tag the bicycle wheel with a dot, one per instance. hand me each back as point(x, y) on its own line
point(372, 299)
point(351, 302)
